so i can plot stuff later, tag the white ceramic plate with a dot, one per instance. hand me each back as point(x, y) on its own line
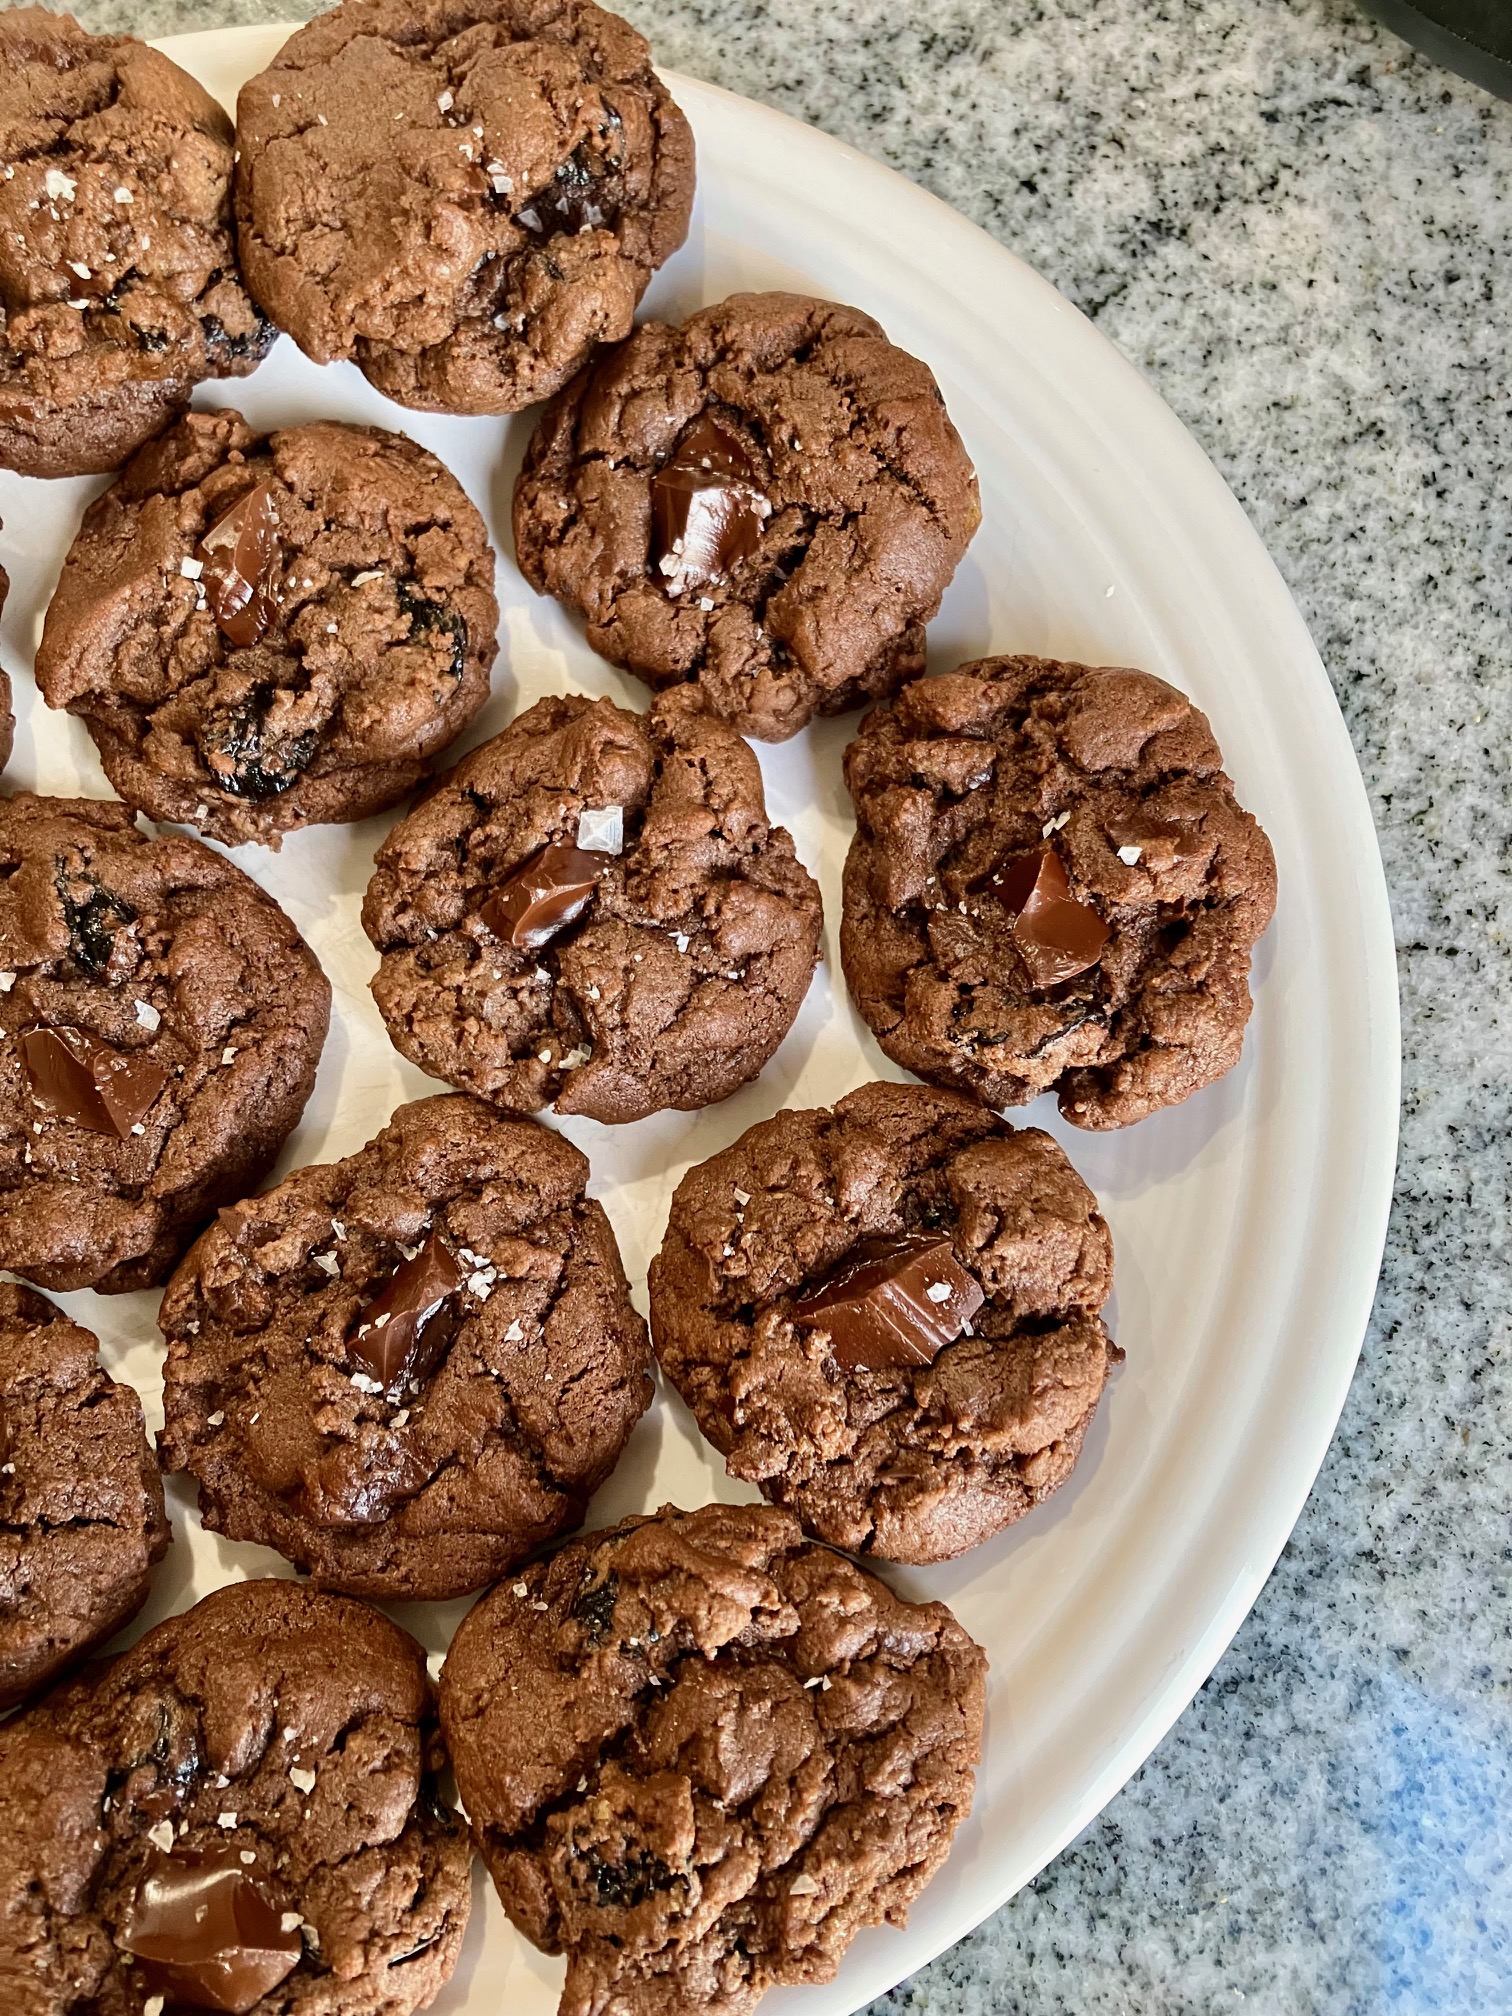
point(1248, 1223)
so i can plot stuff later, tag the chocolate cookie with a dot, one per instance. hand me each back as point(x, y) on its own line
point(263, 631)
point(81, 1501)
point(592, 911)
point(464, 196)
point(119, 288)
point(160, 1024)
point(239, 1813)
point(699, 1754)
point(1052, 887)
point(409, 1369)
point(886, 1316)
point(768, 501)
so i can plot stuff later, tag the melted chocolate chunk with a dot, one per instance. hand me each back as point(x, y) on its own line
point(593, 1608)
point(434, 617)
point(404, 1332)
point(92, 920)
point(543, 896)
point(1056, 936)
point(242, 562)
point(203, 1933)
point(245, 756)
point(77, 1077)
point(891, 1302)
point(706, 511)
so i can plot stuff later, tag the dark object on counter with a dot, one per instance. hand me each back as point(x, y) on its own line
point(1473, 37)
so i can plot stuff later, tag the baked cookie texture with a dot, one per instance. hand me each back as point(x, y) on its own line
point(908, 1461)
point(962, 780)
point(119, 285)
point(698, 1754)
point(678, 978)
point(463, 196)
point(81, 1500)
point(160, 1024)
point(478, 1440)
point(859, 501)
point(265, 631)
point(283, 1742)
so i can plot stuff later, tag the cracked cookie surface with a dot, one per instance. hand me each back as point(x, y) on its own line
point(863, 501)
point(680, 977)
point(463, 196)
point(699, 1754)
point(430, 1478)
point(1117, 775)
point(119, 285)
point(371, 648)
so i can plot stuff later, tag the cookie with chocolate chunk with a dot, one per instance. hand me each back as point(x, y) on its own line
point(699, 1754)
point(265, 631)
point(408, 1369)
point(768, 501)
point(592, 911)
point(886, 1316)
point(160, 1024)
point(81, 1500)
point(463, 196)
point(239, 1813)
point(1052, 888)
point(119, 286)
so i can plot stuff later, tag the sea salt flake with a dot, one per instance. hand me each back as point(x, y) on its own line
point(137, 1127)
point(277, 100)
point(540, 1606)
point(153, 2006)
point(522, 1589)
point(328, 1261)
point(226, 1820)
point(124, 195)
point(322, 119)
point(216, 1419)
point(161, 1836)
point(300, 1779)
point(191, 569)
point(680, 940)
point(401, 1419)
point(544, 1056)
point(146, 1014)
point(247, 1858)
point(1130, 856)
point(514, 1333)
point(290, 1921)
point(369, 574)
point(60, 187)
point(742, 1198)
point(445, 101)
point(7, 981)
point(228, 1053)
point(364, 1384)
point(803, 1885)
point(938, 1291)
point(1055, 825)
point(601, 829)
point(77, 266)
point(338, 1228)
point(481, 1284)
point(575, 1057)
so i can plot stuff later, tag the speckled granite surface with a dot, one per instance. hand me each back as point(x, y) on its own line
point(1303, 233)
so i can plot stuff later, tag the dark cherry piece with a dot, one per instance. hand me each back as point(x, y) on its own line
point(203, 1933)
point(242, 560)
point(892, 1302)
point(706, 511)
point(403, 1332)
point(79, 1078)
point(1056, 936)
point(543, 896)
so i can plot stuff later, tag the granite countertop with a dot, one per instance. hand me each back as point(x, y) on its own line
point(1303, 233)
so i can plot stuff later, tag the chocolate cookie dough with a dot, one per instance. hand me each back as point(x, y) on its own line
point(119, 288)
point(592, 911)
point(464, 196)
point(886, 1316)
point(240, 1813)
point(263, 631)
point(81, 1501)
point(768, 501)
point(160, 1025)
point(409, 1369)
point(1052, 888)
point(698, 1755)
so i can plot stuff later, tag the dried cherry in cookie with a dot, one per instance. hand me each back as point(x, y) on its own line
point(699, 1754)
point(593, 911)
point(886, 1316)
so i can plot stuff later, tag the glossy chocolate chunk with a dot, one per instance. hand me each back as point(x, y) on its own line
point(242, 561)
point(543, 896)
point(1056, 936)
point(706, 511)
point(893, 1302)
point(80, 1079)
point(204, 1934)
point(403, 1333)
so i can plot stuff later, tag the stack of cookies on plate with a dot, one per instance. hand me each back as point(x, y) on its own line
point(700, 1750)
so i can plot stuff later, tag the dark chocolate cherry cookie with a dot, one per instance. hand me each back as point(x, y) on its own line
point(592, 910)
point(160, 1024)
point(768, 501)
point(464, 196)
point(886, 1316)
point(409, 1369)
point(240, 1813)
point(699, 1754)
point(1052, 888)
point(119, 287)
point(81, 1501)
point(264, 631)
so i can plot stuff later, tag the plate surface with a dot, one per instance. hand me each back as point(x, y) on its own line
point(1248, 1223)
